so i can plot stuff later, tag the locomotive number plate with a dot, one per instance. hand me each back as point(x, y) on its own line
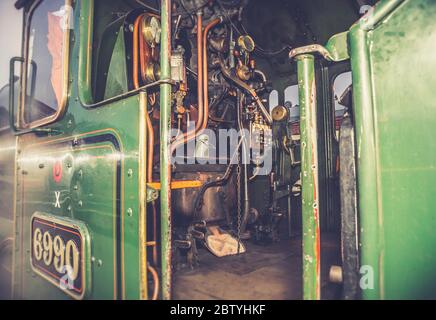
point(59, 252)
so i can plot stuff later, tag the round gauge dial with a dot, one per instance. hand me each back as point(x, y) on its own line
point(246, 43)
point(152, 30)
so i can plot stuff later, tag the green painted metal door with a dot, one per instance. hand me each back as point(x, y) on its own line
point(80, 189)
point(79, 179)
point(394, 78)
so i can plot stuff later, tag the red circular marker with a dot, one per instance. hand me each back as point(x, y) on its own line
point(57, 171)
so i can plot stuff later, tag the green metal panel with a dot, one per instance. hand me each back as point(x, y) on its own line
point(111, 162)
point(393, 64)
point(7, 181)
point(116, 83)
point(87, 194)
point(336, 50)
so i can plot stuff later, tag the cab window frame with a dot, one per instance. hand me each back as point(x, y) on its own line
point(23, 104)
point(86, 66)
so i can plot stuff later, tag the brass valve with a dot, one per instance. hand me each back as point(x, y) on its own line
point(243, 72)
point(279, 113)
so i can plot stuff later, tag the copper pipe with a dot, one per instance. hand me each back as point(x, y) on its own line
point(200, 71)
point(155, 257)
point(202, 78)
point(205, 72)
point(198, 126)
point(135, 51)
point(150, 131)
point(150, 147)
point(156, 282)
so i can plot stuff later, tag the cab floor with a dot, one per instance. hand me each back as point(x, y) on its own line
point(270, 272)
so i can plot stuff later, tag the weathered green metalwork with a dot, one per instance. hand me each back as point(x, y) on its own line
point(309, 176)
point(392, 55)
point(336, 50)
point(386, 51)
point(165, 145)
point(99, 145)
point(99, 150)
point(337, 46)
point(366, 161)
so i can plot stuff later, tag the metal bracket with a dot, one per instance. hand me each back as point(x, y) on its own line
point(152, 194)
point(336, 49)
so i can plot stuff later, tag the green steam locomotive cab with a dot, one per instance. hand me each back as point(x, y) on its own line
point(159, 150)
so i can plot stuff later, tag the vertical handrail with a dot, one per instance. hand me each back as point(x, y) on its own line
point(165, 145)
point(309, 176)
point(12, 92)
point(336, 50)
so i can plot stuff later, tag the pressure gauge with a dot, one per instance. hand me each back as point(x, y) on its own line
point(279, 113)
point(246, 43)
point(151, 30)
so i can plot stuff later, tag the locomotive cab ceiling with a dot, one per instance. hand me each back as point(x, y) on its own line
point(278, 25)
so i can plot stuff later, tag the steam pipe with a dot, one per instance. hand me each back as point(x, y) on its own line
point(155, 281)
point(226, 72)
point(187, 136)
point(202, 82)
point(150, 131)
point(261, 74)
point(135, 51)
point(244, 153)
point(205, 71)
point(199, 70)
point(154, 252)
